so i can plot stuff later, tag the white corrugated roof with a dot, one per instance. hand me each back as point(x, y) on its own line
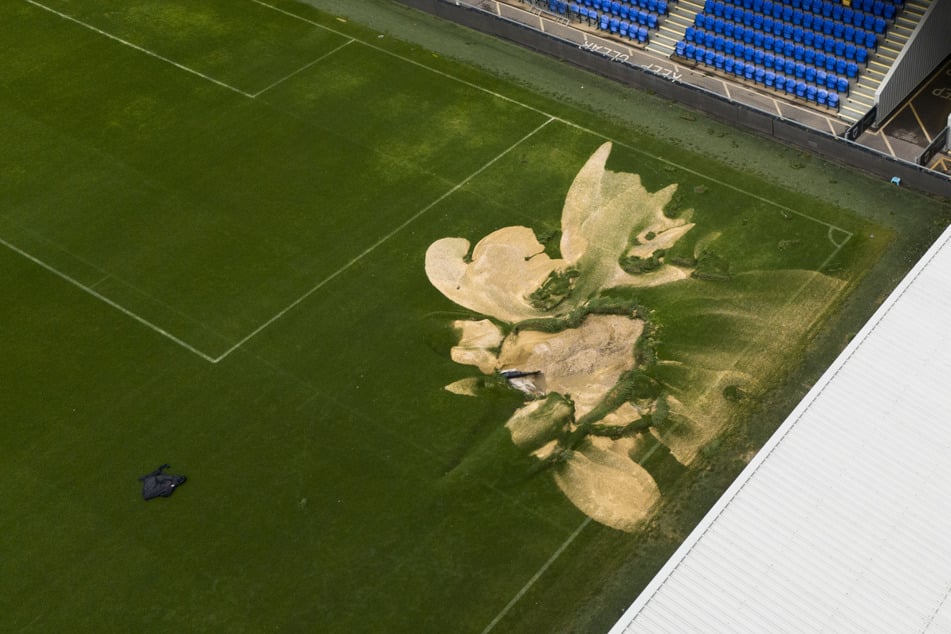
point(842, 522)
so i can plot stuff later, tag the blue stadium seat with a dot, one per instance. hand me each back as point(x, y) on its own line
point(642, 36)
point(651, 20)
point(810, 74)
point(858, 19)
point(861, 56)
point(728, 47)
point(840, 66)
point(690, 51)
point(739, 68)
point(830, 63)
point(748, 53)
point(811, 93)
point(833, 100)
point(819, 42)
point(799, 51)
point(831, 81)
point(768, 25)
point(758, 75)
point(878, 8)
point(728, 30)
point(821, 95)
point(780, 82)
point(718, 61)
point(869, 23)
point(842, 85)
point(790, 87)
point(757, 39)
point(789, 48)
point(852, 70)
point(728, 65)
point(849, 34)
point(837, 11)
point(748, 73)
point(709, 40)
point(790, 67)
point(615, 25)
point(879, 25)
point(800, 70)
point(739, 50)
point(800, 89)
point(662, 7)
point(889, 13)
point(838, 30)
point(809, 38)
point(680, 48)
point(718, 42)
point(826, 9)
point(769, 60)
point(605, 21)
point(821, 78)
point(809, 57)
point(769, 79)
point(780, 64)
point(850, 51)
point(623, 29)
point(797, 17)
point(820, 61)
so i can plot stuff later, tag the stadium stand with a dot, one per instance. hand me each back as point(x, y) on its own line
point(837, 47)
point(807, 45)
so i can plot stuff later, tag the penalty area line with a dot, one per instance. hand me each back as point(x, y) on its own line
point(303, 68)
point(139, 48)
point(122, 309)
point(567, 122)
point(370, 249)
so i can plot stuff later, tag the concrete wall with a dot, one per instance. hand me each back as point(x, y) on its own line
point(839, 150)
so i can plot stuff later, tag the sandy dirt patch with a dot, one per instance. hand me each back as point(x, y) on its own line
point(602, 480)
point(506, 267)
point(583, 362)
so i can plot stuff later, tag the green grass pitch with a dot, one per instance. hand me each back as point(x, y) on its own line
point(213, 218)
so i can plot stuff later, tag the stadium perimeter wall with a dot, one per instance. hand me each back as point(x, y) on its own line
point(824, 144)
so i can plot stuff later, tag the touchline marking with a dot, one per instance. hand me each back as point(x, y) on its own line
point(140, 49)
point(108, 301)
point(536, 577)
point(303, 68)
point(379, 242)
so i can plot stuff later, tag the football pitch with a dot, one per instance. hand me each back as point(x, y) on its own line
point(214, 219)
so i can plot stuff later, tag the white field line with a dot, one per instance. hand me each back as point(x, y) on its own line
point(303, 68)
point(379, 242)
point(548, 114)
point(536, 576)
point(106, 300)
point(140, 49)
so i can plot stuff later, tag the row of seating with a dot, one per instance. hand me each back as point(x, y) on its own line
point(799, 35)
point(868, 6)
point(836, 54)
point(789, 86)
point(618, 8)
point(635, 29)
point(809, 74)
point(808, 10)
point(624, 28)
